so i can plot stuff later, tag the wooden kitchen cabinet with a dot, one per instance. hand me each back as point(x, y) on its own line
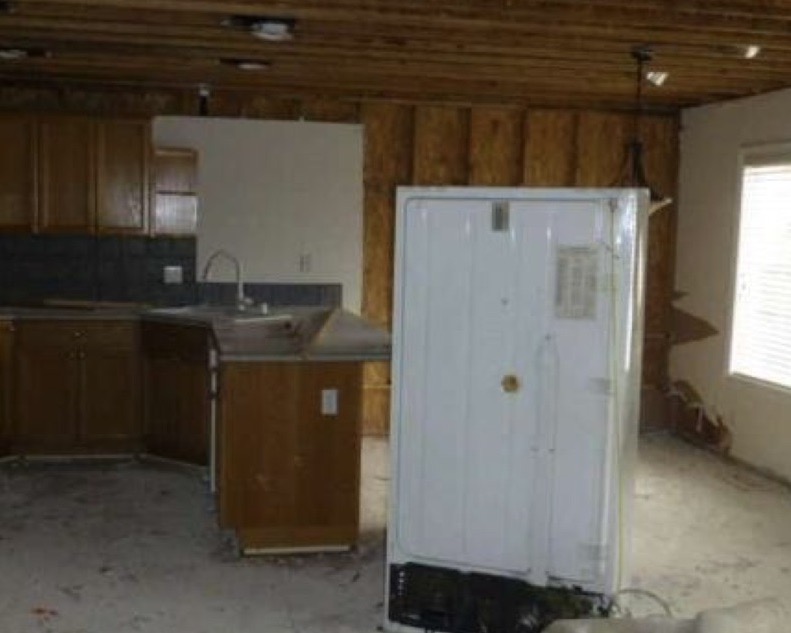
point(6, 351)
point(290, 466)
point(17, 173)
point(122, 166)
point(175, 205)
point(92, 174)
point(177, 399)
point(45, 393)
point(66, 175)
point(110, 385)
point(76, 387)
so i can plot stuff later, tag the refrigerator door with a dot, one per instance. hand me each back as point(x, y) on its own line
point(468, 432)
point(577, 386)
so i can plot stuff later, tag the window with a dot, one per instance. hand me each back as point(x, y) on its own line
point(761, 332)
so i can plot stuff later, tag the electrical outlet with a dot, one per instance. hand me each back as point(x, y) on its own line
point(329, 402)
point(173, 275)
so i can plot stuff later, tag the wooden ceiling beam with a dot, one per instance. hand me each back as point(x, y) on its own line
point(571, 75)
point(451, 14)
point(179, 24)
point(740, 76)
point(360, 83)
point(506, 49)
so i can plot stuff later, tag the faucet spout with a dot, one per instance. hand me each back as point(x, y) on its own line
point(241, 300)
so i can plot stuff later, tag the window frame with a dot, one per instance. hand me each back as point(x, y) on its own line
point(748, 156)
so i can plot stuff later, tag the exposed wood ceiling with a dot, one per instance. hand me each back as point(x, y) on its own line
point(538, 52)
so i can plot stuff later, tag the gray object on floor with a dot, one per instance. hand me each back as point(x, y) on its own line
point(760, 616)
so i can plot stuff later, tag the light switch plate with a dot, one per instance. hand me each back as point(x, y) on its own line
point(329, 402)
point(173, 275)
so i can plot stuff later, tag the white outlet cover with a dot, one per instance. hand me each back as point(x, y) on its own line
point(329, 402)
point(173, 275)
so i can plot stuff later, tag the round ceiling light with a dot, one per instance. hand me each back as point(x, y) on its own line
point(273, 30)
point(12, 54)
point(246, 64)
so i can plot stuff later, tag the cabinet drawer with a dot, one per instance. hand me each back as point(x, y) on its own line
point(49, 334)
point(109, 335)
point(104, 335)
point(187, 342)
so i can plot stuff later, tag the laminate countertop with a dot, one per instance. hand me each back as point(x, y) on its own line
point(290, 333)
point(13, 313)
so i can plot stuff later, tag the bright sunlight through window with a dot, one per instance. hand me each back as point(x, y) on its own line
point(761, 334)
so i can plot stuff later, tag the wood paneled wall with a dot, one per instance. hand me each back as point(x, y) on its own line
point(438, 145)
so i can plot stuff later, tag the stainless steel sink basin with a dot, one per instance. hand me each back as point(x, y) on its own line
point(228, 314)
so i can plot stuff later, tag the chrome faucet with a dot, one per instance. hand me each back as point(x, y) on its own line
point(242, 302)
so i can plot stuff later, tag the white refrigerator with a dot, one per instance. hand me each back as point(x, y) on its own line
point(516, 369)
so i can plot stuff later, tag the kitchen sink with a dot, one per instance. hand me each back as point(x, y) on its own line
point(228, 314)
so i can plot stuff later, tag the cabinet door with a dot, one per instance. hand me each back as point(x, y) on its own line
point(17, 173)
point(327, 452)
point(175, 210)
point(176, 391)
point(258, 410)
point(110, 387)
point(66, 178)
point(46, 396)
point(177, 409)
point(6, 346)
point(122, 176)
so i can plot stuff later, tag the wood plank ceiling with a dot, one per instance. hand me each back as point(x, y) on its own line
point(523, 52)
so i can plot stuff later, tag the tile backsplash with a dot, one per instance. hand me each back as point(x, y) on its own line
point(35, 268)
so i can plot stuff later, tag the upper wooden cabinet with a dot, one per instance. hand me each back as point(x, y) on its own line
point(123, 150)
point(175, 207)
point(70, 174)
point(67, 192)
point(17, 173)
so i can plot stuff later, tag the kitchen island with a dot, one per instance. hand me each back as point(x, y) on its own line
point(271, 402)
point(286, 422)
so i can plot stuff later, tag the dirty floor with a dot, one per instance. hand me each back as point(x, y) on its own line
point(708, 533)
point(132, 547)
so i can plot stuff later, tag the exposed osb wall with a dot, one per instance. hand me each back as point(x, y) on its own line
point(436, 145)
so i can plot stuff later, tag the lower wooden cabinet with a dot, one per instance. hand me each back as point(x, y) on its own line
point(6, 359)
point(176, 391)
point(289, 451)
point(76, 387)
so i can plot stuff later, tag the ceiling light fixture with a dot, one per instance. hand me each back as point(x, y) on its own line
point(246, 64)
point(270, 29)
point(751, 51)
point(657, 77)
point(12, 54)
point(273, 30)
point(633, 173)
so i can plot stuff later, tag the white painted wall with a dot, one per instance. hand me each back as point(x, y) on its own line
point(272, 192)
point(711, 139)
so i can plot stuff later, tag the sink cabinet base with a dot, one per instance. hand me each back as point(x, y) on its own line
point(289, 453)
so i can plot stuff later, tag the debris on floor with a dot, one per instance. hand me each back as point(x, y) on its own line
point(98, 547)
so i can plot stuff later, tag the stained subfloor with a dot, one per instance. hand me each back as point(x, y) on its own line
point(133, 547)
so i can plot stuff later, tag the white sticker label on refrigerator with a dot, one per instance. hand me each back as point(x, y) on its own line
point(576, 282)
